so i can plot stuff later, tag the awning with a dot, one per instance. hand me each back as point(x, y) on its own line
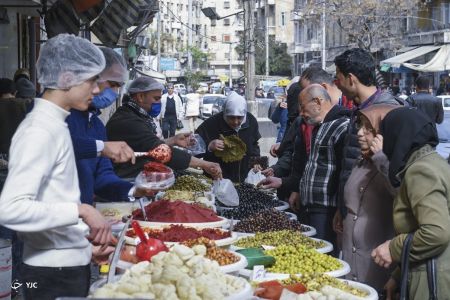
point(398, 60)
point(406, 49)
point(440, 62)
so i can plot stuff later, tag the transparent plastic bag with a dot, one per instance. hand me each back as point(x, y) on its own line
point(196, 145)
point(254, 177)
point(225, 192)
point(155, 176)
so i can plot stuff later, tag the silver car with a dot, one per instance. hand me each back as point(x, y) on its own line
point(443, 129)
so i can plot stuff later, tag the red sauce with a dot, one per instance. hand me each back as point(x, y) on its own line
point(176, 212)
point(179, 233)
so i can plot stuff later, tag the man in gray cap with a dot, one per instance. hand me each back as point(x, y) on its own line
point(131, 123)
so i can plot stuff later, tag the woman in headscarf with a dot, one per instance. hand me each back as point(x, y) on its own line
point(422, 204)
point(368, 196)
point(233, 120)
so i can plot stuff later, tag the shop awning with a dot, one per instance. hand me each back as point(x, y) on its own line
point(440, 62)
point(398, 60)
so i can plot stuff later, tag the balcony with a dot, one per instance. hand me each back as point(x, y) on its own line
point(225, 62)
point(296, 15)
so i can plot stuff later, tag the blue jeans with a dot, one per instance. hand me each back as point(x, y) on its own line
point(169, 125)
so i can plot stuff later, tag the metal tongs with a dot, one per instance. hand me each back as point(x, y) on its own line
point(116, 255)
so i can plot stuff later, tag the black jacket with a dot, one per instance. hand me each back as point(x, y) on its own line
point(429, 104)
point(126, 125)
point(249, 133)
point(352, 150)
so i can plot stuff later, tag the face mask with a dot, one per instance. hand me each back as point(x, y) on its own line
point(104, 99)
point(155, 110)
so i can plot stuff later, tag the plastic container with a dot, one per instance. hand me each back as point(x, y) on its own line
point(156, 180)
point(196, 145)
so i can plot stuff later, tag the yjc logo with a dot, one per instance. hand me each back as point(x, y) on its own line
point(29, 285)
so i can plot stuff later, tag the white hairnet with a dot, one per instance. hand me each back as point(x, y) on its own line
point(115, 69)
point(144, 84)
point(67, 60)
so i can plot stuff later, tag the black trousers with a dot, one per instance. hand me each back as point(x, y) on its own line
point(169, 125)
point(321, 218)
point(47, 283)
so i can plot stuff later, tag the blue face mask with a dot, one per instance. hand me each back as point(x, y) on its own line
point(155, 110)
point(104, 99)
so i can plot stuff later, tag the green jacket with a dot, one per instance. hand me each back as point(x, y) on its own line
point(422, 207)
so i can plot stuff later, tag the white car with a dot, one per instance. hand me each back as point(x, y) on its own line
point(207, 104)
point(445, 101)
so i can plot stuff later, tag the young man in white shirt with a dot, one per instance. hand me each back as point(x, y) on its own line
point(41, 196)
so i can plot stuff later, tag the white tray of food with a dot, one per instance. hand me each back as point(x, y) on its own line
point(222, 223)
point(326, 249)
point(219, 243)
point(344, 270)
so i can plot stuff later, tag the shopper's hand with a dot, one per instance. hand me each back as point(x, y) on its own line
point(338, 227)
point(212, 169)
point(268, 172)
point(100, 254)
point(216, 145)
point(283, 104)
point(294, 201)
point(273, 149)
point(382, 255)
point(377, 144)
point(180, 139)
point(391, 289)
point(270, 182)
point(257, 168)
point(100, 230)
point(118, 152)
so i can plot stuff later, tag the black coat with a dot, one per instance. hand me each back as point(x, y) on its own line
point(126, 125)
point(249, 133)
point(429, 104)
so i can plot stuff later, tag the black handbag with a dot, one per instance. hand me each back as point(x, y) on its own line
point(431, 272)
point(180, 124)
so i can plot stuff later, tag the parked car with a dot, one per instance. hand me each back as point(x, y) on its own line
point(276, 91)
point(218, 105)
point(445, 101)
point(207, 103)
point(443, 129)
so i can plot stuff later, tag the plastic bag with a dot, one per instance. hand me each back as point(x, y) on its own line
point(196, 145)
point(254, 177)
point(225, 192)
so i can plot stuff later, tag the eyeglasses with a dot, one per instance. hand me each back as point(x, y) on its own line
point(360, 125)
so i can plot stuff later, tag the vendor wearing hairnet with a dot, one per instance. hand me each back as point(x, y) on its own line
point(41, 196)
point(95, 173)
point(133, 124)
point(233, 120)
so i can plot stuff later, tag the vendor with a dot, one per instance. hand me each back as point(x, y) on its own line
point(233, 120)
point(132, 123)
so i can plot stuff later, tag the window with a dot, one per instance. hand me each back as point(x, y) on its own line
point(226, 22)
point(213, 22)
point(226, 38)
point(213, 38)
point(227, 55)
point(226, 4)
point(283, 19)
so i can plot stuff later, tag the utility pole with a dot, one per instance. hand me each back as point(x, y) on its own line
point(158, 34)
point(249, 28)
point(230, 79)
point(190, 35)
point(266, 33)
point(324, 37)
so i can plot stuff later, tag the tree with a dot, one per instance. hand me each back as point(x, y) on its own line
point(280, 62)
point(193, 78)
point(367, 24)
point(199, 58)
